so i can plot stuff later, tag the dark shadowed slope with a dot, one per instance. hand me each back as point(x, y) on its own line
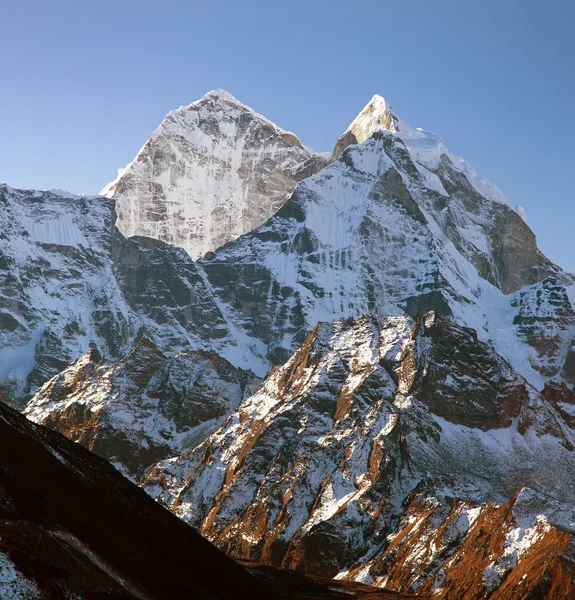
point(72, 527)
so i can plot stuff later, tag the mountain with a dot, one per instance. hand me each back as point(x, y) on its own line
point(394, 451)
point(386, 451)
point(395, 224)
point(143, 408)
point(415, 430)
point(211, 171)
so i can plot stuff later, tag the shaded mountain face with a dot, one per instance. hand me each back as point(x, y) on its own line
point(72, 527)
point(349, 458)
point(210, 172)
point(143, 408)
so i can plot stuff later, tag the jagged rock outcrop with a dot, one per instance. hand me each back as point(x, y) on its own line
point(451, 548)
point(545, 319)
point(143, 408)
point(321, 470)
point(210, 172)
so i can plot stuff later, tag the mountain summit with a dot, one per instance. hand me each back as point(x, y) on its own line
point(210, 172)
point(376, 115)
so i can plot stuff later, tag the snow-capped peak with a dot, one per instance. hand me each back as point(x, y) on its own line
point(211, 171)
point(426, 148)
point(375, 115)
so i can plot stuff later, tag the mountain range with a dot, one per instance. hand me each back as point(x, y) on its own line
point(354, 364)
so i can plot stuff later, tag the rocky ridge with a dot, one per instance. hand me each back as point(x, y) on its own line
point(144, 407)
point(452, 548)
point(349, 458)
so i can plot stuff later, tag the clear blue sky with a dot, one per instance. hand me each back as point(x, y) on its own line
point(83, 83)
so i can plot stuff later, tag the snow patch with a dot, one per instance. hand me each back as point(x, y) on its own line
point(17, 363)
point(14, 585)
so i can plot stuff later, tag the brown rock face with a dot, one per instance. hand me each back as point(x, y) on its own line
point(143, 408)
point(465, 382)
point(515, 252)
point(456, 549)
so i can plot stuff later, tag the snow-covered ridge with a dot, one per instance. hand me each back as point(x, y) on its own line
point(225, 96)
point(427, 149)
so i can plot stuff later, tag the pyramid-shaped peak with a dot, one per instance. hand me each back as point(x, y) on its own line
point(375, 115)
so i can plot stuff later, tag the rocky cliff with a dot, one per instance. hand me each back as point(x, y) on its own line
point(144, 407)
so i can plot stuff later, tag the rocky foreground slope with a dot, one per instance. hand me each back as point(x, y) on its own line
point(72, 527)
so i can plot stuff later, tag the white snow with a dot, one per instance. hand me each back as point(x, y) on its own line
point(17, 362)
point(13, 584)
point(61, 230)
